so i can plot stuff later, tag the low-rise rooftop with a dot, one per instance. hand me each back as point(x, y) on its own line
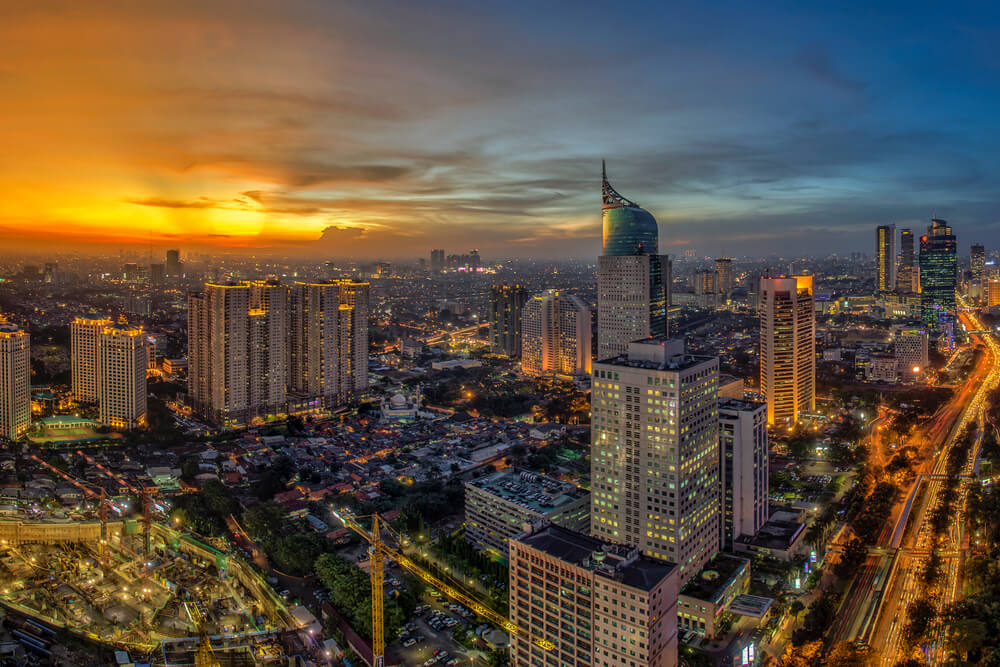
point(530, 490)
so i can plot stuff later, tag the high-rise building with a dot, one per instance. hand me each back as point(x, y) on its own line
point(885, 275)
point(906, 275)
point(232, 376)
point(600, 604)
point(157, 273)
point(938, 272)
point(505, 315)
point(437, 260)
point(173, 266)
point(993, 292)
point(84, 334)
point(329, 341)
point(555, 335)
point(744, 468)
point(15, 381)
point(787, 347)
point(121, 376)
point(724, 271)
point(977, 261)
point(475, 261)
point(655, 452)
point(633, 280)
point(706, 288)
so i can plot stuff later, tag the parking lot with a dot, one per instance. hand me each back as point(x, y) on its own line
point(428, 639)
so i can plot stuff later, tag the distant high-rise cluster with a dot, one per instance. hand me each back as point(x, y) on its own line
point(787, 347)
point(633, 280)
point(505, 317)
point(253, 348)
point(15, 381)
point(556, 332)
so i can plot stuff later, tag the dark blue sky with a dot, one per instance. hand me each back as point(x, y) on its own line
point(387, 128)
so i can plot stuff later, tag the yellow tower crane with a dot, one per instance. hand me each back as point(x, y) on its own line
point(379, 551)
point(205, 656)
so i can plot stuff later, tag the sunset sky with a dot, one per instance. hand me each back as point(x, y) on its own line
point(384, 129)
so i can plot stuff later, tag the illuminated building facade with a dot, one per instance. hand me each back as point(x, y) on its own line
point(724, 273)
point(787, 347)
point(744, 468)
point(938, 272)
point(977, 262)
point(506, 306)
point(15, 381)
point(906, 274)
point(556, 335)
point(121, 376)
point(84, 333)
point(911, 352)
point(885, 252)
point(655, 453)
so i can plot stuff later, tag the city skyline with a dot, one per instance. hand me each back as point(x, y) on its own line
point(352, 134)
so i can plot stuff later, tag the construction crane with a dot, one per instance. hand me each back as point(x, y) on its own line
point(204, 656)
point(379, 551)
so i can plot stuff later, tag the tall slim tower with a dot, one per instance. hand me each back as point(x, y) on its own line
point(15, 381)
point(655, 453)
point(885, 270)
point(268, 345)
point(633, 280)
point(744, 468)
point(787, 347)
point(172, 267)
point(938, 272)
point(906, 274)
point(555, 333)
point(84, 333)
point(724, 271)
point(121, 376)
point(977, 261)
point(505, 309)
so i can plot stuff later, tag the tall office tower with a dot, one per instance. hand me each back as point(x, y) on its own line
point(993, 292)
point(655, 453)
point(437, 260)
point(977, 261)
point(633, 281)
point(611, 606)
point(268, 345)
point(555, 335)
point(121, 376)
point(938, 272)
point(724, 271)
point(787, 347)
point(744, 468)
point(173, 264)
point(906, 274)
point(885, 270)
point(234, 331)
point(505, 308)
point(84, 333)
point(911, 353)
point(15, 381)
point(329, 341)
point(157, 273)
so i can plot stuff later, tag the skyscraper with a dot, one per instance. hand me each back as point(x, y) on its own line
point(505, 315)
point(977, 261)
point(906, 274)
point(655, 453)
point(555, 334)
point(724, 271)
point(121, 376)
point(611, 606)
point(437, 260)
point(15, 381)
point(329, 341)
point(84, 333)
point(744, 468)
point(938, 272)
point(172, 266)
point(230, 331)
point(885, 275)
point(633, 280)
point(787, 347)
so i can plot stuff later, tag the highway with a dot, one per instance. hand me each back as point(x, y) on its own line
point(912, 544)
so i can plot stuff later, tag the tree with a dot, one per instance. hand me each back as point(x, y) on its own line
point(849, 654)
point(855, 553)
point(801, 655)
point(922, 613)
point(796, 608)
point(965, 636)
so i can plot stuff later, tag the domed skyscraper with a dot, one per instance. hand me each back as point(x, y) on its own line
point(633, 279)
point(628, 229)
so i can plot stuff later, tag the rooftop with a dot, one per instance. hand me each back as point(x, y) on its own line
point(737, 404)
point(657, 354)
point(715, 577)
point(530, 490)
point(777, 533)
point(618, 562)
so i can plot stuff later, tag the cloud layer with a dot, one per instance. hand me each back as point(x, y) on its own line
point(387, 128)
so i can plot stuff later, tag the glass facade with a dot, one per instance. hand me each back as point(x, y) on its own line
point(629, 230)
point(938, 271)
